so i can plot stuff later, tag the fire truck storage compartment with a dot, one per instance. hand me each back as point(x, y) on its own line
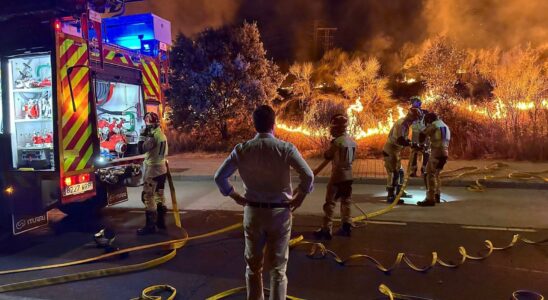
point(120, 111)
point(31, 112)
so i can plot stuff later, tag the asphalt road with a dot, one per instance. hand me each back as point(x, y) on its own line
point(206, 267)
point(499, 207)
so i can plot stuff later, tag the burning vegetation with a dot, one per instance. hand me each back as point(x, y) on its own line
point(495, 101)
point(481, 65)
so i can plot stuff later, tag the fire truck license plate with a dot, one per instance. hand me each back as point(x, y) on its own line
point(78, 188)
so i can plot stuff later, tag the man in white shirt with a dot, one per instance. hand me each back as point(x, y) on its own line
point(264, 164)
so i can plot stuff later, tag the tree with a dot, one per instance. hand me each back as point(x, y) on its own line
point(439, 64)
point(327, 68)
point(220, 77)
point(520, 82)
point(360, 78)
point(302, 83)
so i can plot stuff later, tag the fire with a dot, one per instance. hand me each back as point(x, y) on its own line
point(355, 130)
point(496, 111)
point(303, 130)
point(409, 80)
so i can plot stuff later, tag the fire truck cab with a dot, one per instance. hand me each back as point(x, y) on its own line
point(74, 89)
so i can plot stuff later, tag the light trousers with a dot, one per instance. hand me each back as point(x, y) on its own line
point(267, 233)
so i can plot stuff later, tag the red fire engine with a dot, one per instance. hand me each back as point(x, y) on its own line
point(74, 90)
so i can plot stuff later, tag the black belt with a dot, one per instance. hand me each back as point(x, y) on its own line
point(267, 205)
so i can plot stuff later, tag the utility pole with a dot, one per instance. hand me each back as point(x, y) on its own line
point(324, 39)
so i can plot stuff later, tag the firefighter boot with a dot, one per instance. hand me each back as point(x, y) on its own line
point(161, 219)
point(438, 198)
point(150, 226)
point(346, 229)
point(426, 202)
point(391, 196)
point(324, 233)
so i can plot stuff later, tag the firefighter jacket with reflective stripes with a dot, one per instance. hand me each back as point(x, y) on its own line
point(416, 129)
point(156, 149)
point(399, 131)
point(439, 135)
point(342, 153)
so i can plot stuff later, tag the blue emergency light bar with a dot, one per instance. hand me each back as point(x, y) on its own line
point(144, 32)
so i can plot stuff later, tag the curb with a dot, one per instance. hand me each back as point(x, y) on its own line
point(382, 181)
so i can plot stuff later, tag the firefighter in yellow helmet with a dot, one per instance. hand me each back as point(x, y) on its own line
point(341, 153)
point(397, 140)
point(153, 143)
point(439, 135)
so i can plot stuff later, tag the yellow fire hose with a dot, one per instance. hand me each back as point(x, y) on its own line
point(316, 249)
point(513, 175)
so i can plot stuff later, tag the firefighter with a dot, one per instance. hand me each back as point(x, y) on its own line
point(417, 152)
point(397, 140)
point(341, 153)
point(439, 135)
point(153, 143)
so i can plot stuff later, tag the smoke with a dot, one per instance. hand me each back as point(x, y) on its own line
point(388, 30)
point(287, 26)
point(488, 23)
point(189, 16)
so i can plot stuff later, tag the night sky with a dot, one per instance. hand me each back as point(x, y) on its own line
point(377, 27)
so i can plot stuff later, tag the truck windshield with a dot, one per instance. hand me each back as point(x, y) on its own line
point(119, 118)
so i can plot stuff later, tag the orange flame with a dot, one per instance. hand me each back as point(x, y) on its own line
point(496, 111)
point(355, 130)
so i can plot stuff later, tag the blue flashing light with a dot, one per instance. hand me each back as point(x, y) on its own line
point(126, 30)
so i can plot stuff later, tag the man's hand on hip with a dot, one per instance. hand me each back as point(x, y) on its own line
point(297, 201)
point(238, 198)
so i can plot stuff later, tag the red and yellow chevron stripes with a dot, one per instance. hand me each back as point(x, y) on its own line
point(151, 79)
point(76, 140)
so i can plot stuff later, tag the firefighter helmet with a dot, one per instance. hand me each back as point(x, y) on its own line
point(153, 118)
point(339, 121)
point(430, 117)
point(416, 102)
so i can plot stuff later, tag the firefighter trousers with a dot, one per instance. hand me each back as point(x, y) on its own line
point(337, 191)
point(392, 164)
point(270, 228)
point(153, 192)
point(415, 154)
point(433, 182)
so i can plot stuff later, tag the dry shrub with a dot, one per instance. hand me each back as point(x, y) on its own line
point(180, 141)
point(308, 146)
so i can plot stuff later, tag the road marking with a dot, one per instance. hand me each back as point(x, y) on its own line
point(387, 223)
point(499, 228)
